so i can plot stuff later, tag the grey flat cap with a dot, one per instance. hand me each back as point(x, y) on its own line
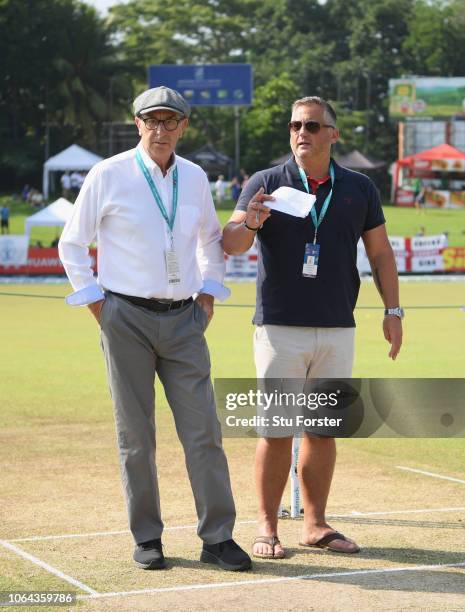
point(161, 98)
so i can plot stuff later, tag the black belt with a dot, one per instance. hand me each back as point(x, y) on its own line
point(152, 303)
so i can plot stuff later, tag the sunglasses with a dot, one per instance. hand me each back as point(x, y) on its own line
point(311, 126)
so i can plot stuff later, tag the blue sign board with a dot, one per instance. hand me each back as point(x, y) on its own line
point(206, 84)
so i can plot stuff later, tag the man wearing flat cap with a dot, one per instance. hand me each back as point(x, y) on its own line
point(159, 244)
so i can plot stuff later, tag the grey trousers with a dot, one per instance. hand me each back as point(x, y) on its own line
point(138, 344)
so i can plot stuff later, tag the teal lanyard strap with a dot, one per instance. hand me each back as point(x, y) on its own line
point(324, 208)
point(156, 195)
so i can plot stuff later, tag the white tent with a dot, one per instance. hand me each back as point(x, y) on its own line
point(55, 215)
point(72, 158)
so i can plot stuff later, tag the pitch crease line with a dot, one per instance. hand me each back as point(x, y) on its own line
point(220, 585)
point(431, 474)
point(48, 568)
point(108, 533)
point(353, 514)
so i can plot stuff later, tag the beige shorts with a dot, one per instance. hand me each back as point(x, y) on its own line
point(289, 359)
point(285, 351)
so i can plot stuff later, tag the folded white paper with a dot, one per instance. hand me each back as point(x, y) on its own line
point(291, 201)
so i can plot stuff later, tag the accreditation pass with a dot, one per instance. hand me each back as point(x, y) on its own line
point(310, 265)
point(172, 266)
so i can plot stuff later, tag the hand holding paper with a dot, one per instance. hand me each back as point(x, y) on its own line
point(292, 201)
point(257, 210)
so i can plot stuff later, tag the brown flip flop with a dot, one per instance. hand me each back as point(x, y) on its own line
point(271, 541)
point(327, 539)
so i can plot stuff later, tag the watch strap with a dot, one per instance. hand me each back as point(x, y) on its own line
point(396, 312)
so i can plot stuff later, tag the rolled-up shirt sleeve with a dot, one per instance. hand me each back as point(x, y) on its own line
point(79, 232)
point(210, 254)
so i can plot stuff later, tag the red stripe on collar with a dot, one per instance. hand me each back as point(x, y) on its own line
point(315, 183)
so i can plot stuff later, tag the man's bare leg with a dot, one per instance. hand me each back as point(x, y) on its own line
point(317, 459)
point(272, 465)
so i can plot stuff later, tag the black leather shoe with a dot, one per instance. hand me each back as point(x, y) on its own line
point(228, 555)
point(149, 555)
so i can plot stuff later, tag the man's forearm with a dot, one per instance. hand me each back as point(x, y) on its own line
point(237, 239)
point(384, 271)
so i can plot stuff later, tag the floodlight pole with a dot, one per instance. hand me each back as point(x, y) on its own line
point(367, 111)
point(47, 137)
point(110, 112)
point(237, 156)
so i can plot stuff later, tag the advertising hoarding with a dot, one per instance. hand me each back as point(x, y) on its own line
point(427, 97)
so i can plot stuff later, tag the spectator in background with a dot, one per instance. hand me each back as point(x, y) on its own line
point(25, 192)
point(235, 189)
point(65, 185)
point(220, 189)
point(82, 177)
point(420, 198)
point(416, 187)
point(75, 179)
point(5, 217)
point(245, 180)
point(35, 198)
point(38, 199)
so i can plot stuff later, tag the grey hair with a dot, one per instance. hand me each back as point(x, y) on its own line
point(309, 100)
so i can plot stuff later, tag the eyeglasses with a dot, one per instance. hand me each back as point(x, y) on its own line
point(311, 126)
point(169, 124)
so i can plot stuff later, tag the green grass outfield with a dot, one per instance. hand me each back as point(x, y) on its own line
point(399, 221)
point(48, 349)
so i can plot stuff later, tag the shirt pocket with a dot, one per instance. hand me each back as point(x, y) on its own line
point(190, 220)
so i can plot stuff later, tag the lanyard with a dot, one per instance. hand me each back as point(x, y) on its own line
point(324, 208)
point(156, 195)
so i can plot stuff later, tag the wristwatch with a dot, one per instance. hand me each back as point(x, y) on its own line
point(397, 312)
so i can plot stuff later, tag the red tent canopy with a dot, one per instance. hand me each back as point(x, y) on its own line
point(444, 151)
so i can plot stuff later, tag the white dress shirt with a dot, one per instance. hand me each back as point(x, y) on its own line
point(116, 208)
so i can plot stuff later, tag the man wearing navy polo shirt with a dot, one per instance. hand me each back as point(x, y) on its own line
point(307, 288)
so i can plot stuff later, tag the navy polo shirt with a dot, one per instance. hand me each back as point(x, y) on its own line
point(284, 296)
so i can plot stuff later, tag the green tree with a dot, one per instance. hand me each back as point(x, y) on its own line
point(188, 31)
point(435, 45)
point(92, 84)
point(57, 63)
point(378, 29)
point(264, 132)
